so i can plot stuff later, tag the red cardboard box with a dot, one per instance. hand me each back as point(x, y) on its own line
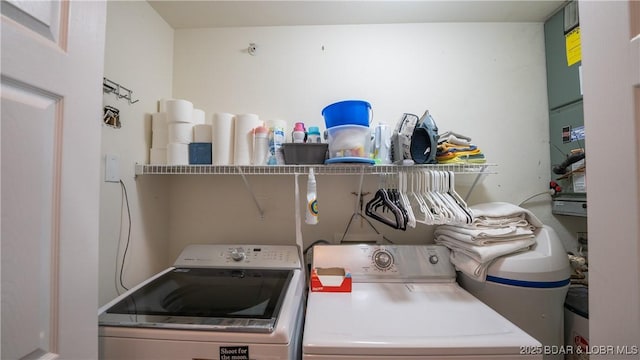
point(330, 280)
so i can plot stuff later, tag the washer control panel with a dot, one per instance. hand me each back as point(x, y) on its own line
point(369, 263)
point(241, 256)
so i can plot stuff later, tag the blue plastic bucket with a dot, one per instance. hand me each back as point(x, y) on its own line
point(348, 112)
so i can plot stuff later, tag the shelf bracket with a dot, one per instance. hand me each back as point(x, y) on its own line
point(475, 182)
point(250, 190)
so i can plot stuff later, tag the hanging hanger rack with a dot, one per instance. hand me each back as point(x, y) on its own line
point(112, 87)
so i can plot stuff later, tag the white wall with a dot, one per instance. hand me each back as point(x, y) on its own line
point(483, 80)
point(138, 55)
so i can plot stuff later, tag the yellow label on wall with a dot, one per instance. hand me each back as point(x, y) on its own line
point(573, 46)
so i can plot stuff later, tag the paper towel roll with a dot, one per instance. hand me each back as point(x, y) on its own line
point(160, 138)
point(177, 154)
point(157, 156)
point(179, 111)
point(202, 133)
point(181, 133)
point(243, 138)
point(159, 121)
point(222, 136)
point(198, 116)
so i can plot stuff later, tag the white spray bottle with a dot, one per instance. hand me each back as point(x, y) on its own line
point(311, 216)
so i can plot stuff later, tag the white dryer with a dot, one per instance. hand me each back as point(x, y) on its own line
point(219, 302)
point(404, 304)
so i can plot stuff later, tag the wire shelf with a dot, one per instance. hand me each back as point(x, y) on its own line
point(320, 169)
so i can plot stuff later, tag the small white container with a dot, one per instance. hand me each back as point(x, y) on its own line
point(298, 136)
point(349, 141)
point(260, 145)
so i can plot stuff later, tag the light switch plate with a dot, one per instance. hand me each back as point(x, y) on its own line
point(112, 168)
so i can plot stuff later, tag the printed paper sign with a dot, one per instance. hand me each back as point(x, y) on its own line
point(234, 352)
point(573, 46)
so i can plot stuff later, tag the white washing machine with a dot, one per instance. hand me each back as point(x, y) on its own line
point(404, 304)
point(221, 302)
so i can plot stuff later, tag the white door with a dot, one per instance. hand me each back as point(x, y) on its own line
point(611, 72)
point(52, 65)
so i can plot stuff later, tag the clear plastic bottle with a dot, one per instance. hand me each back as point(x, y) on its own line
point(276, 139)
point(313, 135)
point(299, 134)
point(311, 215)
point(382, 144)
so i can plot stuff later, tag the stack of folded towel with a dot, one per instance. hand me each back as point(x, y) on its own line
point(455, 148)
point(498, 229)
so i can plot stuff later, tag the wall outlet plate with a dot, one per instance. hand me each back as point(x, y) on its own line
point(112, 168)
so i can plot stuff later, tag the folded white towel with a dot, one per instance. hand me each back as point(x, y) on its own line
point(475, 260)
point(488, 252)
point(485, 236)
point(475, 269)
point(498, 229)
point(484, 222)
point(502, 213)
point(454, 138)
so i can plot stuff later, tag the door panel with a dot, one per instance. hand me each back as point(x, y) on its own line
point(50, 122)
point(47, 18)
point(28, 131)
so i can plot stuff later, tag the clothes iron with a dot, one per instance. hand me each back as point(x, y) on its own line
point(424, 140)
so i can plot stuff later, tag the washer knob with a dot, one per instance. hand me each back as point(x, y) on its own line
point(383, 260)
point(433, 259)
point(237, 254)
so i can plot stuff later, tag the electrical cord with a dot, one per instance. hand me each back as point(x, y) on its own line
point(126, 248)
point(321, 241)
point(548, 192)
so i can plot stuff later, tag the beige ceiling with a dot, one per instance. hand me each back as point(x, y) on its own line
point(182, 14)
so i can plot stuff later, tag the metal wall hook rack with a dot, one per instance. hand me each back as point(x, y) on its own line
point(112, 87)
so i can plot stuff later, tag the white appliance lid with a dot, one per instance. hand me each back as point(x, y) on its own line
point(544, 266)
point(407, 319)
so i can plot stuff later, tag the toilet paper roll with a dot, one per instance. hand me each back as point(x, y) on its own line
point(160, 138)
point(202, 133)
point(198, 116)
point(162, 104)
point(243, 138)
point(181, 133)
point(223, 138)
point(179, 110)
point(159, 121)
point(157, 156)
point(177, 154)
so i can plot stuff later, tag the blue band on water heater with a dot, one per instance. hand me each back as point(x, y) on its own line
point(529, 284)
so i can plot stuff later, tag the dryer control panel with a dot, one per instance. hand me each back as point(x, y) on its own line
point(401, 263)
point(240, 256)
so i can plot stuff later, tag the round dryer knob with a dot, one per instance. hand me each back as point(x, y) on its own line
point(237, 254)
point(382, 259)
point(433, 259)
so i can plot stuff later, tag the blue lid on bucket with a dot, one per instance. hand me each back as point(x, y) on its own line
point(347, 112)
